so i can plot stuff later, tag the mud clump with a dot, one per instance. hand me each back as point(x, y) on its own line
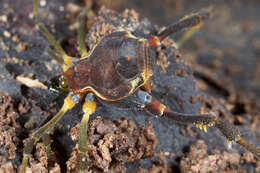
point(111, 143)
point(10, 141)
point(197, 160)
point(8, 129)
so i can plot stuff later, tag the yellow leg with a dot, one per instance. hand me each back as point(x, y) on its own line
point(89, 108)
point(54, 55)
point(67, 60)
point(50, 155)
point(35, 8)
point(83, 16)
point(69, 103)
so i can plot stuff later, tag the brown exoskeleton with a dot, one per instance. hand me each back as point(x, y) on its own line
point(118, 67)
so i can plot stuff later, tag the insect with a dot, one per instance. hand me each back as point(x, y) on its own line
point(118, 68)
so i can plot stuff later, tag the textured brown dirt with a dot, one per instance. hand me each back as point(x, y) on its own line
point(8, 132)
point(112, 143)
point(199, 160)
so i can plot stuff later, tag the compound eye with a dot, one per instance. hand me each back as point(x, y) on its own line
point(127, 67)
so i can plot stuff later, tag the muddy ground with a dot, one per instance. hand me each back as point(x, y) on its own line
point(217, 70)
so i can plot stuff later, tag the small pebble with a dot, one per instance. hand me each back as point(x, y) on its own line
point(3, 18)
point(7, 34)
point(43, 3)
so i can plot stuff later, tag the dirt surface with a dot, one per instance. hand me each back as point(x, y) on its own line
point(112, 143)
point(8, 129)
point(217, 57)
point(228, 161)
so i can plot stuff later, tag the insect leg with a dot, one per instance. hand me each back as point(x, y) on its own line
point(35, 8)
point(250, 147)
point(54, 55)
point(69, 103)
point(50, 155)
point(82, 18)
point(154, 107)
point(194, 20)
point(188, 34)
point(228, 130)
point(233, 135)
point(89, 108)
point(67, 60)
